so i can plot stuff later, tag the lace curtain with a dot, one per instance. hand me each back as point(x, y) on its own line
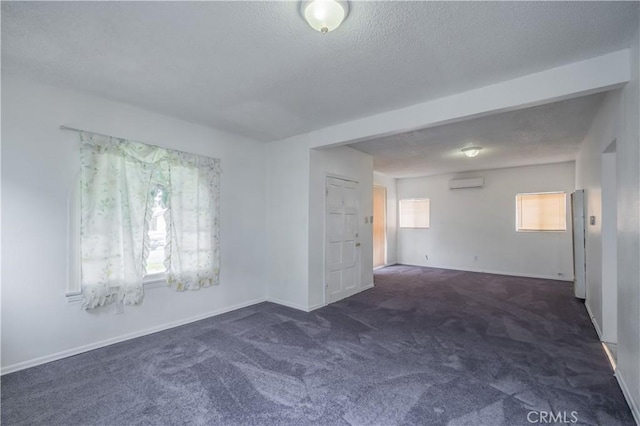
point(119, 179)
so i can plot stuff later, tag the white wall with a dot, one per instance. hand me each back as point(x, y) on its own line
point(602, 133)
point(392, 215)
point(39, 165)
point(618, 119)
point(348, 163)
point(609, 247)
point(286, 252)
point(474, 229)
point(628, 164)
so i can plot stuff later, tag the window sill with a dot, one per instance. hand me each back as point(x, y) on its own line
point(150, 282)
point(73, 297)
point(541, 230)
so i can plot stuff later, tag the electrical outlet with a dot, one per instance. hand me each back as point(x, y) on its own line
point(426, 256)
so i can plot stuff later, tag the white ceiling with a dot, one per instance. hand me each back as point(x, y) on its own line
point(257, 69)
point(550, 133)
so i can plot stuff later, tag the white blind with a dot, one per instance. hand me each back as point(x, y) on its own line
point(541, 212)
point(414, 213)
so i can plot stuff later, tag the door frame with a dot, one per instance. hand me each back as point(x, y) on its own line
point(578, 243)
point(327, 176)
point(384, 220)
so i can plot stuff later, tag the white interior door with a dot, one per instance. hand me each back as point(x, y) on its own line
point(342, 247)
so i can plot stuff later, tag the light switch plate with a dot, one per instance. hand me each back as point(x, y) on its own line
point(592, 220)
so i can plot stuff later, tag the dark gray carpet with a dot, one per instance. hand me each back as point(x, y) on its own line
point(425, 346)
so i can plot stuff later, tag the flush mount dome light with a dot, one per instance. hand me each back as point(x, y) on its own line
point(324, 15)
point(471, 151)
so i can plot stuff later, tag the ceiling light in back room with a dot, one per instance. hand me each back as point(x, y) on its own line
point(471, 150)
point(324, 15)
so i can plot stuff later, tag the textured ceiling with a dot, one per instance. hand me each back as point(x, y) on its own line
point(549, 133)
point(257, 69)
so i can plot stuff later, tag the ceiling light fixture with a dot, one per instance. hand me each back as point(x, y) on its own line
point(471, 151)
point(324, 15)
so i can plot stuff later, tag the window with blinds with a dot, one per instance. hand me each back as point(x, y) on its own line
point(414, 213)
point(541, 212)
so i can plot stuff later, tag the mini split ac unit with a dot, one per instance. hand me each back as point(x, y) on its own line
point(466, 183)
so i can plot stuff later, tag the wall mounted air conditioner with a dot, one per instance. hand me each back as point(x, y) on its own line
point(466, 183)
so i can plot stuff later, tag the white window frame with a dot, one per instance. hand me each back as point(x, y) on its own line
point(517, 212)
point(400, 202)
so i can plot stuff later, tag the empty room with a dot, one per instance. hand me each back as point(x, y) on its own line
point(320, 212)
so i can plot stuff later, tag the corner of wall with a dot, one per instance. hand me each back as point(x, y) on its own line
point(287, 194)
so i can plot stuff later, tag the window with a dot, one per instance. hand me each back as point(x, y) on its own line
point(414, 213)
point(544, 211)
point(146, 213)
point(157, 233)
point(155, 268)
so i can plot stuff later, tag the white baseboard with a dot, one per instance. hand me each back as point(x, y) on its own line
point(627, 395)
point(316, 306)
point(312, 307)
point(488, 271)
point(385, 265)
point(288, 304)
point(593, 321)
point(81, 349)
point(367, 287)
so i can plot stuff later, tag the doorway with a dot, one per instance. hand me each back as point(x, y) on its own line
point(342, 244)
point(379, 226)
